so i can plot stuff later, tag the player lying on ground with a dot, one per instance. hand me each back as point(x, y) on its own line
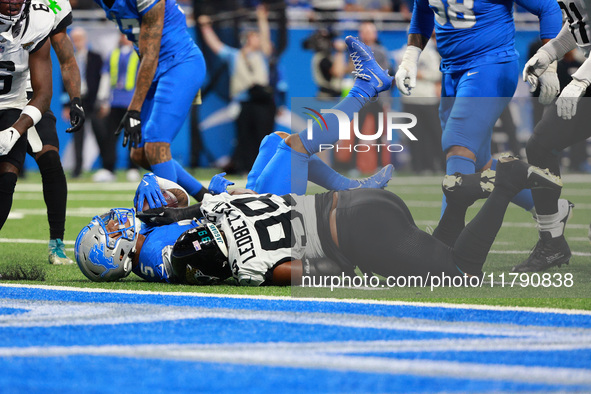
point(554, 133)
point(264, 239)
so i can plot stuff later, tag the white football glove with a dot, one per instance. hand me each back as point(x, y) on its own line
point(536, 67)
point(566, 104)
point(549, 85)
point(406, 76)
point(8, 138)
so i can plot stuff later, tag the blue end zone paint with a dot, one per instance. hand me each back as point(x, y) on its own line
point(156, 377)
point(78, 341)
point(445, 314)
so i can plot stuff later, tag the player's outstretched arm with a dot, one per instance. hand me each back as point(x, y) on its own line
point(62, 45)
point(211, 39)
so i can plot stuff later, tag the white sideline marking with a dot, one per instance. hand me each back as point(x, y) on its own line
point(37, 196)
point(299, 299)
point(29, 241)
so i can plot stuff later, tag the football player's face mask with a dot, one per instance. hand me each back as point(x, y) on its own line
point(13, 11)
point(105, 248)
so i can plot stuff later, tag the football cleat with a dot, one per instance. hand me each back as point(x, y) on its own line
point(57, 253)
point(548, 252)
point(516, 175)
point(467, 188)
point(370, 77)
point(379, 180)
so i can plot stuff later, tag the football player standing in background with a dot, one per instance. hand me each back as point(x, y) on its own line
point(551, 136)
point(24, 30)
point(55, 188)
point(476, 41)
point(170, 73)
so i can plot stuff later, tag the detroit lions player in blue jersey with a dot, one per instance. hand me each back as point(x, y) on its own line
point(170, 74)
point(476, 41)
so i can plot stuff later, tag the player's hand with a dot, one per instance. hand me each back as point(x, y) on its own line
point(8, 138)
point(148, 190)
point(406, 76)
point(77, 116)
point(219, 184)
point(132, 124)
point(536, 67)
point(566, 104)
point(159, 216)
point(549, 85)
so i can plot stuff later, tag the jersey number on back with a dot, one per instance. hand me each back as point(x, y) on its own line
point(460, 15)
point(579, 34)
point(6, 80)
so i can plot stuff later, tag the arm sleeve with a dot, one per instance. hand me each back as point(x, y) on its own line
point(548, 13)
point(562, 44)
point(422, 21)
point(584, 72)
point(144, 6)
point(67, 21)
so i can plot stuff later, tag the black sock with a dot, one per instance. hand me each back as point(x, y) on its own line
point(7, 184)
point(451, 224)
point(473, 244)
point(55, 192)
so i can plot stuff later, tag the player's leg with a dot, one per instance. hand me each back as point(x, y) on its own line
point(294, 152)
point(512, 175)
point(552, 135)
point(173, 95)
point(55, 187)
point(10, 164)
point(266, 151)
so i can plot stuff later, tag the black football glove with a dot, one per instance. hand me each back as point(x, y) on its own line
point(158, 216)
point(77, 116)
point(132, 124)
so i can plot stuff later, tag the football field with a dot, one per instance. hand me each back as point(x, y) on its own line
point(64, 333)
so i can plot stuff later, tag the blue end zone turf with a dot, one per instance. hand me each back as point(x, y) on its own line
point(100, 341)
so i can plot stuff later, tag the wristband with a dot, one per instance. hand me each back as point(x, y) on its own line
point(412, 54)
point(33, 112)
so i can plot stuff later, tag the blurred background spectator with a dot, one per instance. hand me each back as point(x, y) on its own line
point(90, 64)
point(116, 91)
point(329, 63)
point(249, 85)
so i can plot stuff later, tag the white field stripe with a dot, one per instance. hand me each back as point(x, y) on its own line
point(29, 241)
point(299, 299)
point(91, 187)
point(531, 224)
point(299, 358)
point(583, 254)
point(578, 239)
point(36, 196)
point(78, 212)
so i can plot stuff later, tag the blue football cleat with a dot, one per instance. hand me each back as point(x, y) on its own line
point(379, 180)
point(370, 77)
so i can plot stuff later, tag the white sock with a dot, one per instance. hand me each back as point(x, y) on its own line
point(551, 224)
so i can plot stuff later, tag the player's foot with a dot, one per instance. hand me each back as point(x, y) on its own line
point(467, 188)
point(379, 180)
point(516, 175)
point(370, 77)
point(103, 176)
point(548, 252)
point(57, 253)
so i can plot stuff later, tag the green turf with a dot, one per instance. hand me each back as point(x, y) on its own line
point(423, 200)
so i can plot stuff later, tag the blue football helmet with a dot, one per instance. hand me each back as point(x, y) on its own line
point(103, 255)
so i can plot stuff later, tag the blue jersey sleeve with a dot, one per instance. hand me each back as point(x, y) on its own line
point(144, 6)
point(422, 21)
point(549, 14)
